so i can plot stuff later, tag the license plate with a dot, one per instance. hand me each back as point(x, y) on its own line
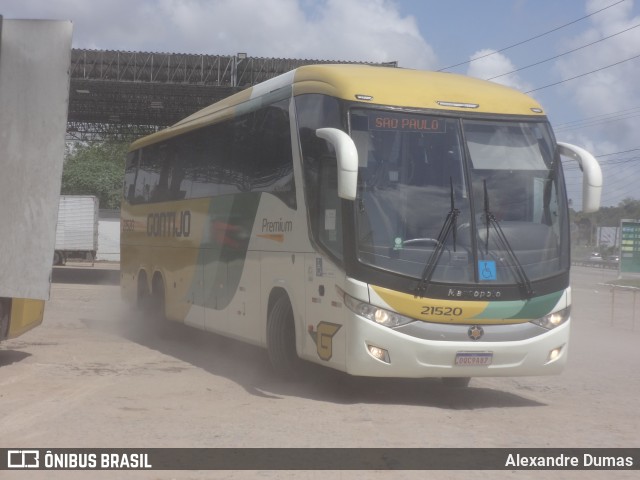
point(474, 359)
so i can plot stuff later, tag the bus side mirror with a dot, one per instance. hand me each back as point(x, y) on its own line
point(591, 175)
point(347, 157)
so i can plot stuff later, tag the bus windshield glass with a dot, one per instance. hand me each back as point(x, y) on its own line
point(459, 201)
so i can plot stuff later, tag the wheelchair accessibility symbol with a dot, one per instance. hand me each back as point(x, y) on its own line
point(487, 269)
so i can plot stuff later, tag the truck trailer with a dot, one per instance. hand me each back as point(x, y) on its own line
point(77, 229)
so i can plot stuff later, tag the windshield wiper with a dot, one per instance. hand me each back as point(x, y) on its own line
point(523, 280)
point(450, 225)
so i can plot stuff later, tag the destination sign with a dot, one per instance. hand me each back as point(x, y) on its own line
point(406, 123)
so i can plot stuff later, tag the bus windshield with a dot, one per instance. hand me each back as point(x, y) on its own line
point(501, 179)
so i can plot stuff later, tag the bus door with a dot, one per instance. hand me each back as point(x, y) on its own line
point(326, 333)
point(325, 311)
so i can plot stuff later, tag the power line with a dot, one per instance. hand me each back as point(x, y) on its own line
point(582, 75)
point(532, 38)
point(562, 54)
point(618, 112)
point(625, 114)
point(618, 183)
point(618, 153)
point(604, 164)
point(614, 160)
point(595, 123)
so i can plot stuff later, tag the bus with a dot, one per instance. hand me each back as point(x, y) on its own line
point(379, 221)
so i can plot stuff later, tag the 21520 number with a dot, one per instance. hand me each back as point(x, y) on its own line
point(442, 311)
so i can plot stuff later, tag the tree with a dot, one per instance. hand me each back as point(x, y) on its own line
point(586, 224)
point(95, 169)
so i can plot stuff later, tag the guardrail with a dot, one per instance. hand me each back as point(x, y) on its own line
point(596, 263)
point(621, 290)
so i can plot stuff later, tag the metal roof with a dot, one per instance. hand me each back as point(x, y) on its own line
point(130, 94)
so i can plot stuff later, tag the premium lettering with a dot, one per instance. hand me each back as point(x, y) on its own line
point(276, 226)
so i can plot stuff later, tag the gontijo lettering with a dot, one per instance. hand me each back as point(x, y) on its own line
point(169, 224)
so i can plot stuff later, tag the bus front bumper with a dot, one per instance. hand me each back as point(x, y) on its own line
point(378, 351)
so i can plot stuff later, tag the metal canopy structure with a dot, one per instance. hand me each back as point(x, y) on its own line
point(130, 94)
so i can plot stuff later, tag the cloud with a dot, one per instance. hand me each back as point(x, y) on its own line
point(488, 63)
point(608, 99)
point(372, 29)
point(355, 30)
point(613, 89)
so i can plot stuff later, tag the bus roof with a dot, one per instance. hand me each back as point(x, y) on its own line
point(370, 85)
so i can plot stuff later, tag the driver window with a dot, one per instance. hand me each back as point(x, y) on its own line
point(320, 170)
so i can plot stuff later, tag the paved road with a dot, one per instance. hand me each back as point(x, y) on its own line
point(94, 376)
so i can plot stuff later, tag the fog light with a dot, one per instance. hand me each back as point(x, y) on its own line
point(554, 354)
point(379, 353)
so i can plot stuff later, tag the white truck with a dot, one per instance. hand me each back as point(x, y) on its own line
point(35, 57)
point(77, 230)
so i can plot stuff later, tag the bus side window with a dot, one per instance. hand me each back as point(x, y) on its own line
point(130, 175)
point(176, 177)
point(272, 167)
point(148, 175)
point(160, 191)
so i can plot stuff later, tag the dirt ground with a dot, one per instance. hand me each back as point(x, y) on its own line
point(93, 375)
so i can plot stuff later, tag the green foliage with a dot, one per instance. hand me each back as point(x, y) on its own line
point(587, 223)
point(611, 216)
point(95, 169)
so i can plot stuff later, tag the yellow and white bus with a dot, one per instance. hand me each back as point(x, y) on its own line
point(379, 221)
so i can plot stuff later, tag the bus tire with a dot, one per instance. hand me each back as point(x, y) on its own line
point(157, 307)
point(143, 296)
point(156, 312)
point(281, 338)
point(456, 382)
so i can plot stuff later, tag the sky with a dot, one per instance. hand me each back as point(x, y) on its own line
point(554, 45)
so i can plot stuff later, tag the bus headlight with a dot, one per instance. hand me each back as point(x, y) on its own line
point(375, 314)
point(554, 319)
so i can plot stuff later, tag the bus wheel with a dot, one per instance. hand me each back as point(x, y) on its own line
point(456, 382)
point(143, 295)
point(281, 338)
point(57, 258)
point(157, 300)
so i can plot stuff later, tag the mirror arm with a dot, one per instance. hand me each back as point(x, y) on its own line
point(347, 158)
point(592, 175)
